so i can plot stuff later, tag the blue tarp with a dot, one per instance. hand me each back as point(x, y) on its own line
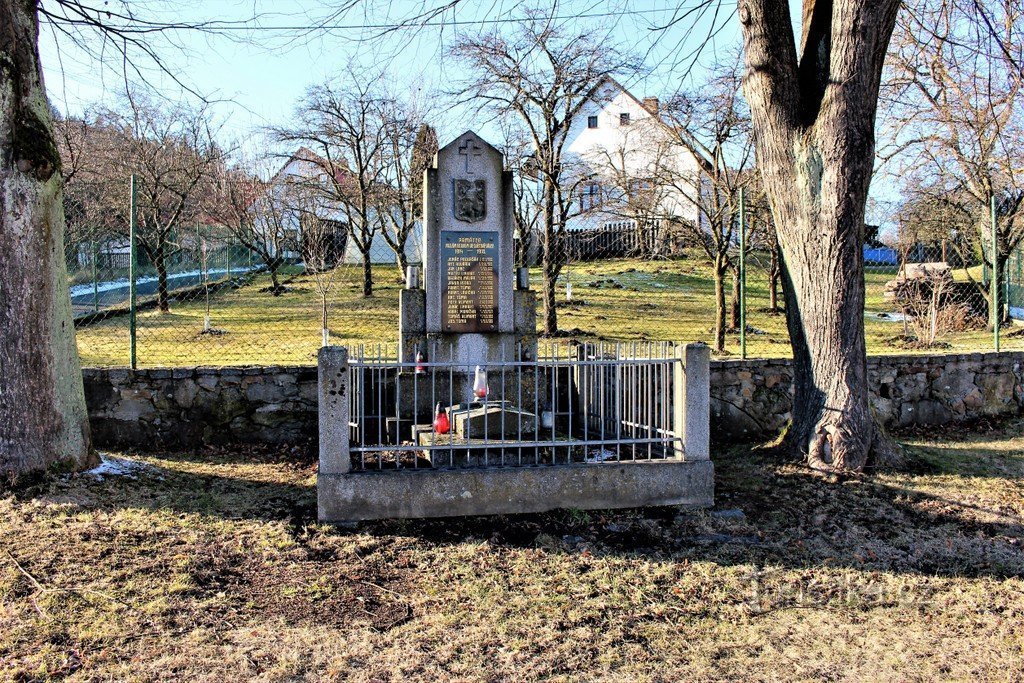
point(881, 255)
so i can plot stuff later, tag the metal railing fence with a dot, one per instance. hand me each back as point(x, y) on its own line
point(577, 403)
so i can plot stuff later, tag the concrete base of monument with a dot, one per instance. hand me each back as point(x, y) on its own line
point(511, 490)
point(452, 450)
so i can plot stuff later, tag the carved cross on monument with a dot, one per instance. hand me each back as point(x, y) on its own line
point(470, 149)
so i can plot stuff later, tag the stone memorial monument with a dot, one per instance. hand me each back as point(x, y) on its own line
point(469, 421)
point(474, 308)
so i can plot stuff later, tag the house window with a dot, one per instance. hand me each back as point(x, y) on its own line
point(624, 118)
point(591, 122)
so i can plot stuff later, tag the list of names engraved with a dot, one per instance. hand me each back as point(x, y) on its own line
point(470, 281)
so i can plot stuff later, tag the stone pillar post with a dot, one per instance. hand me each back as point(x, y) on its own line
point(411, 323)
point(334, 410)
point(691, 401)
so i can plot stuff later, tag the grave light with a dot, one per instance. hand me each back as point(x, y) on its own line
point(480, 383)
point(442, 425)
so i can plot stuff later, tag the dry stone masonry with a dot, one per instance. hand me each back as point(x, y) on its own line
point(187, 407)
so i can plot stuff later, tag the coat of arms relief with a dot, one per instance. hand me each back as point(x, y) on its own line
point(470, 200)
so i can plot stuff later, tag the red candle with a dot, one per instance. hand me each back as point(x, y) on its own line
point(441, 423)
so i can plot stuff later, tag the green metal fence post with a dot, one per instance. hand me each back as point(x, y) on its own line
point(743, 275)
point(95, 278)
point(996, 317)
point(133, 267)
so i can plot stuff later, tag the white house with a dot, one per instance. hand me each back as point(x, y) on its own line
point(305, 167)
point(626, 145)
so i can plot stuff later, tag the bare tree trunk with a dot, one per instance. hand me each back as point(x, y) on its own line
point(814, 124)
point(403, 265)
point(273, 265)
point(719, 275)
point(550, 260)
point(43, 419)
point(162, 298)
point(550, 302)
point(367, 275)
point(734, 305)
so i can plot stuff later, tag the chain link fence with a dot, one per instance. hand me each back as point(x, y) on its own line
point(202, 298)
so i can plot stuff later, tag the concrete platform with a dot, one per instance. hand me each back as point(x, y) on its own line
point(509, 490)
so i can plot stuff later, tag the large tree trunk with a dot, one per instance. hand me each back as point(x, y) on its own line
point(814, 127)
point(43, 420)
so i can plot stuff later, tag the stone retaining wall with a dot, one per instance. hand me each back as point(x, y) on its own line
point(753, 398)
point(184, 408)
point(187, 407)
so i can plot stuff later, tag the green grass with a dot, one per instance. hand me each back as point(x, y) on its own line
point(616, 300)
point(210, 566)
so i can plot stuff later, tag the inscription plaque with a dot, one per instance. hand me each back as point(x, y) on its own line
point(469, 281)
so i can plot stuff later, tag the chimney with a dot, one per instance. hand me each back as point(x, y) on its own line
point(651, 105)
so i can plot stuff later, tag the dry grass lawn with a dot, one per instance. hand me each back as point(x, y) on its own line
point(210, 566)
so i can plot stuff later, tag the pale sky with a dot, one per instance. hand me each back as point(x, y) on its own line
point(258, 76)
point(261, 74)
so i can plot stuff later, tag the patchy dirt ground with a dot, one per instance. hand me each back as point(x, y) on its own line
point(210, 566)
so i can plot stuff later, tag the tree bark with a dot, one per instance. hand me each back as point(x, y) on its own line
point(43, 419)
point(367, 275)
point(814, 127)
point(273, 265)
point(403, 264)
point(162, 297)
point(550, 260)
point(550, 302)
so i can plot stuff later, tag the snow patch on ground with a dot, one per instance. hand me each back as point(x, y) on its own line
point(600, 455)
point(117, 467)
point(80, 290)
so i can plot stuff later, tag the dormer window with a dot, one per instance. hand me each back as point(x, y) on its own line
point(591, 122)
point(624, 118)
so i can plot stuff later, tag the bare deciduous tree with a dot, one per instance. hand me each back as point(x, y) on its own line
point(411, 146)
point(954, 97)
point(171, 152)
point(257, 213)
point(349, 123)
point(540, 77)
point(317, 249)
point(696, 154)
